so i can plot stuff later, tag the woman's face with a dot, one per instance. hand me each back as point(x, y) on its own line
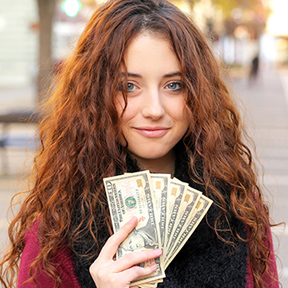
point(155, 117)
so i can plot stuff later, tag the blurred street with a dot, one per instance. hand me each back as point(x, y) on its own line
point(265, 110)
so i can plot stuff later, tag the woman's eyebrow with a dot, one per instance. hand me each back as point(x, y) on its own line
point(178, 73)
point(135, 75)
point(129, 74)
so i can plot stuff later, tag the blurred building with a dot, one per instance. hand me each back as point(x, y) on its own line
point(19, 31)
point(18, 36)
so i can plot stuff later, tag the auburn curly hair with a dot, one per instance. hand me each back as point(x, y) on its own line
point(80, 127)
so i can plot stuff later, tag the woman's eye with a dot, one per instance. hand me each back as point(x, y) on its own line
point(175, 86)
point(128, 87)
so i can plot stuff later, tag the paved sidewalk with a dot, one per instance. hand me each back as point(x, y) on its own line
point(266, 114)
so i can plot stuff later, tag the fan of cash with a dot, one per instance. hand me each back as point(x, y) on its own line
point(168, 212)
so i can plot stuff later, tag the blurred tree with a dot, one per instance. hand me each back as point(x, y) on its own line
point(190, 2)
point(251, 13)
point(227, 6)
point(46, 9)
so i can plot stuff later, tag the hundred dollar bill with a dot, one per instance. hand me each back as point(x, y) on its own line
point(160, 184)
point(131, 195)
point(198, 213)
point(189, 202)
point(176, 192)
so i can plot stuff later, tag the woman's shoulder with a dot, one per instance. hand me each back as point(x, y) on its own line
point(62, 259)
point(31, 234)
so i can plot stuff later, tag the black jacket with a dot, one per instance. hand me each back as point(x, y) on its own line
point(204, 261)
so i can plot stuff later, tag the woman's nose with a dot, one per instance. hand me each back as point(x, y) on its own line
point(152, 105)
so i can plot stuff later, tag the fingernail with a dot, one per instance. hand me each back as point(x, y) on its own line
point(158, 252)
point(132, 219)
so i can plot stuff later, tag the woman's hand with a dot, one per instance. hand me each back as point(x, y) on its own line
point(120, 273)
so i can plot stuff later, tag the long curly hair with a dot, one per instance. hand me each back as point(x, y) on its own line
point(80, 127)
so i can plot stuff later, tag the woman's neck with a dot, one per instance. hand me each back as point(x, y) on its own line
point(165, 164)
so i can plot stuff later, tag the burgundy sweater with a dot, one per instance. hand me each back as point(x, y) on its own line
point(65, 266)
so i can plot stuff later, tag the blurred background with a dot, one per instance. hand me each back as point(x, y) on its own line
point(248, 37)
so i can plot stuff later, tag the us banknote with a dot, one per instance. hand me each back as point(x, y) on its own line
point(131, 195)
point(160, 184)
point(168, 211)
point(176, 193)
point(187, 206)
point(195, 218)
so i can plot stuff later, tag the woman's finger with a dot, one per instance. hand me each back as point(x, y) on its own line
point(135, 272)
point(112, 244)
point(132, 259)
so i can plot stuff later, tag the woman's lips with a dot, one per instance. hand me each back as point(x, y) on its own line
point(153, 132)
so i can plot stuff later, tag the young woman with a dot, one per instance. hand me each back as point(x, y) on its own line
point(141, 91)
